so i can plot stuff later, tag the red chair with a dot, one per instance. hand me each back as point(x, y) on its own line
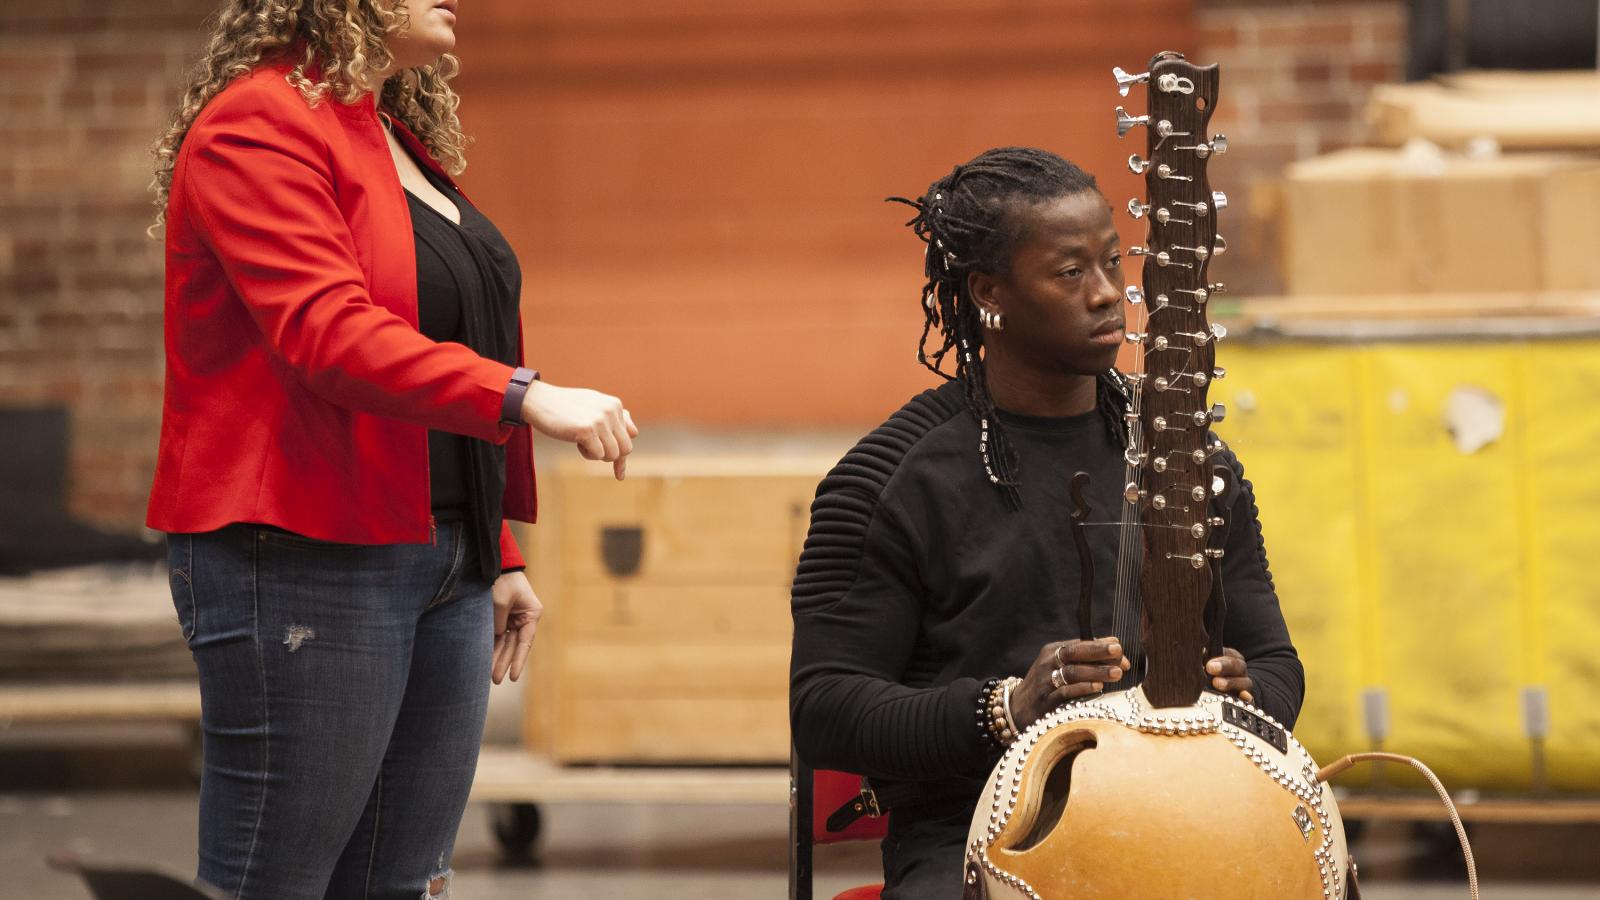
point(814, 797)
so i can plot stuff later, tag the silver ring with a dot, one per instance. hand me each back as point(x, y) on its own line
point(1058, 679)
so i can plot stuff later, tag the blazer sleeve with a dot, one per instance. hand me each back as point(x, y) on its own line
point(510, 554)
point(259, 193)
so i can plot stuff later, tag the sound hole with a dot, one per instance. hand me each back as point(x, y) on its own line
point(1053, 797)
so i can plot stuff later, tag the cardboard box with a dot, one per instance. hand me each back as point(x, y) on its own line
point(1371, 221)
point(1520, 110)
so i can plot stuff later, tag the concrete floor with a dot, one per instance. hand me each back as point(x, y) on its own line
point(114, 803)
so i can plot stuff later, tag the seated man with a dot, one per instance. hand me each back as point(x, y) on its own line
point(940, 559)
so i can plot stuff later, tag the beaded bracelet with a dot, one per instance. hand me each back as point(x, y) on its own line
point(985, 692)
point(994, 712)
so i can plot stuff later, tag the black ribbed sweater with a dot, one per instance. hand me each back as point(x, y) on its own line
point(917, 582)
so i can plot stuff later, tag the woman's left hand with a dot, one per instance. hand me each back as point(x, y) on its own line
point(516, 617)
point(1230, 675)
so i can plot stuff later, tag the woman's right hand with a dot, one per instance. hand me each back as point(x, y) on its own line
point(598, 423)
point(1066, 670)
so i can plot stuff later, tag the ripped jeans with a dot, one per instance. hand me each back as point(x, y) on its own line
point(343, 692)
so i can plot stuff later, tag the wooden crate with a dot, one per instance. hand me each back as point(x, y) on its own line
point(678, 652)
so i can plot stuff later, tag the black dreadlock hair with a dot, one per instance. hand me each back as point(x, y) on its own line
point(968, 220)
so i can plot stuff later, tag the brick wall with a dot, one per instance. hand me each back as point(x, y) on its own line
point(1295, 79)
point(86, 87)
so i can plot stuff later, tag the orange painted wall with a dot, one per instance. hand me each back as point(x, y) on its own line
point(695, 187)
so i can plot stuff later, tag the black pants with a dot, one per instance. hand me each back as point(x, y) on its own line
point(924, 852)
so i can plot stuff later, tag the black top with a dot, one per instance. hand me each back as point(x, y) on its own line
point(918, 582)
point(439, 317)
point(468, 289)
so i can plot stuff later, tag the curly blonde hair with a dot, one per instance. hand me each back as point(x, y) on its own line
point(342, 41)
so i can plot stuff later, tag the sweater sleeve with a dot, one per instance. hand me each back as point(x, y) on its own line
point(857, 612)
point(1254, 625)
point(258, 186)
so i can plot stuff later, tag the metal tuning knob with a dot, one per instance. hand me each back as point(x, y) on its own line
point(1217, 287)
point(1218, 412)
point(1197, 560)
point(1161, 257)
point(1163, 215)
point(1200, 253)
point(1137, 165)
point(1219, 246)
point(1200, 294)
point(1165, 171)
point(1126, 81)
point(1134, 337)
point(1218, 373)
point(1219, 201)
point(1219, 330)
point(1126, 122)
point(1200, 209)
point(1216, 146)
point(1135, 294)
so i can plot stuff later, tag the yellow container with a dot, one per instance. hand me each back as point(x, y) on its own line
point(1430, 496)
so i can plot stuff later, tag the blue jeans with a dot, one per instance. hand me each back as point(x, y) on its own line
point(343, 692)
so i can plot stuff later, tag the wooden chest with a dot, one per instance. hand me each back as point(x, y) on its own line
point(666, 633)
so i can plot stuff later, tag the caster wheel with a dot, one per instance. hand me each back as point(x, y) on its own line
point(516, 827)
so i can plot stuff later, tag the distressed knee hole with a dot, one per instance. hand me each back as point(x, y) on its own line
point(295, 636)
point(438, 888)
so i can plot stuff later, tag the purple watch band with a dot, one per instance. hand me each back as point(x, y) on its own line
point(511, 409)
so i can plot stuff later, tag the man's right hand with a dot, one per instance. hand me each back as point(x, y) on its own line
point(598, 423)
point(1066, 670)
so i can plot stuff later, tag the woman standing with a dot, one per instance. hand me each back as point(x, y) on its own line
point(342, 441)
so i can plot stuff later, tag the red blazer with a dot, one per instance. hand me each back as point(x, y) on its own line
point(298, 389)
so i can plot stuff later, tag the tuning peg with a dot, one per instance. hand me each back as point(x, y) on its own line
point(1126, 122)
point(1218, 412)
point(1161, 257)
point(1218, 373)
point(1138, 210)
point(1201, 295)
point(1217, 145)
point(1136, 165)
point(1126, 81)
point(1220, 246)
point(1218, 330)
point(1165, 171)
point(1217, 287)
point(1134, 294)
point(1135, 337)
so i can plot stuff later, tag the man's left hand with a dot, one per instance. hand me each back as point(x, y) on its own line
point(1230, 676)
